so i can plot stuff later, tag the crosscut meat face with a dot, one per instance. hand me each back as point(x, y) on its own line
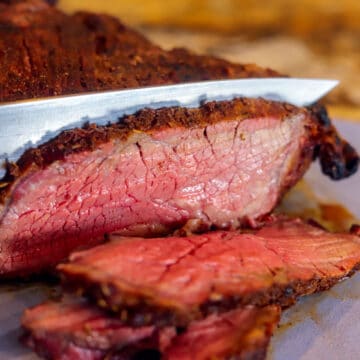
point(180, 279)
point(242, 334)
point(74, 329)
point(224, 163)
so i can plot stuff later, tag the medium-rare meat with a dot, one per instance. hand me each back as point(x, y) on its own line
point(241, 334)
point(224, 163)
point(179, 279)
point(76, 330)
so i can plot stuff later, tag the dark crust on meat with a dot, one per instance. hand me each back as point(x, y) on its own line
point(245, 340)
point(141, 312)
point(147, 120)
point(46, 52)
point(244, 343)
point(338, 159)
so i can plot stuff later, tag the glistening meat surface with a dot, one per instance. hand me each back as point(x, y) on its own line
point(224, 163)
point(179, 279)
point(75, 330)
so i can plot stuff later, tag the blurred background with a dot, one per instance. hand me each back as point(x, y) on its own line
point(305, 38)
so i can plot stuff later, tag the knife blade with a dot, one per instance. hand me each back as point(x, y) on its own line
point(24, 124)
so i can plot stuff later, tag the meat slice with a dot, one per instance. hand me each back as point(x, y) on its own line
point(75, 330)
point(238, 334)
point(224, 163)
point(176, 280)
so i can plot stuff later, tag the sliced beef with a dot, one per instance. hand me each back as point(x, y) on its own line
point(338, 159)
point(225, 163)
point(175, 280)
point(242, 334)
point(75, 330)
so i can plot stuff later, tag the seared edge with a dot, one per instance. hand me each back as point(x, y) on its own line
point(141, 305)
point(72, 326)
point(338, 159)
point(242, 334)
point(138, 308)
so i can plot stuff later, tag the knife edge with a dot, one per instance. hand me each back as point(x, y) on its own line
point(31, 122)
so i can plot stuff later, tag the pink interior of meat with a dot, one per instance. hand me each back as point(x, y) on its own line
point(79, 330)
point(220, 336)
point(188, 271)
point(220, 174)
point(83, 325)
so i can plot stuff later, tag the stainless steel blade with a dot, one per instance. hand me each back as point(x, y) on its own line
point(29, 123)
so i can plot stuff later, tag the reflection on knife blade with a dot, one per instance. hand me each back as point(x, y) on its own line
point(27, 123)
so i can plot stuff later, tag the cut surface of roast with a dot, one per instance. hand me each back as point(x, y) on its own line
point(73, 329)
point(178, 279)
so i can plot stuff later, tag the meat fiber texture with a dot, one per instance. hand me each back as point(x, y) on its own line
point(75, 330)
point(225, 163)
point(176, 280)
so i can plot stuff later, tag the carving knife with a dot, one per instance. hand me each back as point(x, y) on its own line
point(28, 123)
